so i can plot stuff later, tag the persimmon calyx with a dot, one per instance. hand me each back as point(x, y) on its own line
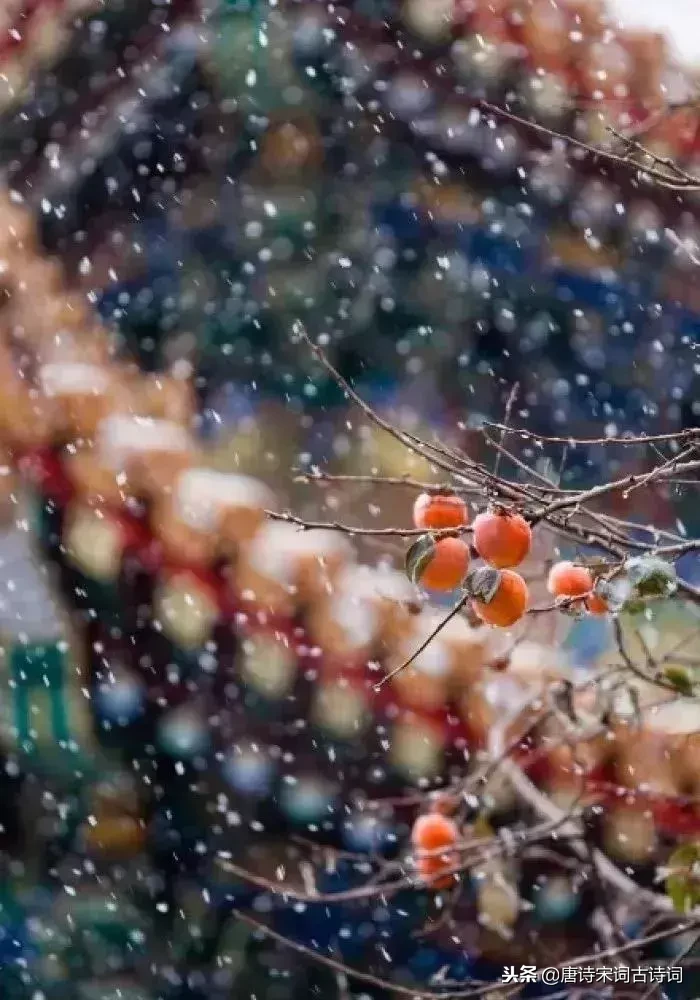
point(573, 606)
point(501, 509)
point(482, 584)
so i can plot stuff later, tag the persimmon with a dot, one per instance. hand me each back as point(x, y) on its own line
point(596, 605)
point(568, 580)
point(434, 830)
point(430, 833)
point(503, 540)
point(500, 597)
point(438, 564)
point(431, 871)
point(435, 511)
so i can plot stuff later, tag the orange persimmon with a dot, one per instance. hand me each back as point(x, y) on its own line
point(503, 601)
point(430, 833)
point(431, 871)
point(596, 605)
point(568, 580)
point(503, 540)
point(435, 511)
point(433, 830)
point(438, 564)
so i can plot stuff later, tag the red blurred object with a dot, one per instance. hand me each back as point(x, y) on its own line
point(18, 19)
point(43, 468)
point(545, 31)
point(649, 52)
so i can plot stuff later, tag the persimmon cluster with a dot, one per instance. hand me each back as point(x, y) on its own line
point(576, 586)
point(440, 560)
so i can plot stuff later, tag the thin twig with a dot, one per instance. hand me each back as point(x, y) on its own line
point(690, 433)
point(319, 476)
point(352, 529)
point(632, 666)
point(461, 603)
point(678, 180)
point(510, 402)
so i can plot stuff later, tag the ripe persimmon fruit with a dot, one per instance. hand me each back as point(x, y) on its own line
point(500, 596)
point(434, 830)
point(503, 540)
point(438, 563)
point(430, 833)
point(568, 580)
point(436, 511)
point(431, 871)
point(596, 605)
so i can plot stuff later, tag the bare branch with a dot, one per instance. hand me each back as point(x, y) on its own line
point(676, 180)
point(461, 603)
point(510, 402)
point(688, 434)
point(351, 529)
point(319, 476)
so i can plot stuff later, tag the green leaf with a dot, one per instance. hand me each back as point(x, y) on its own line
point(418, 557)
point(635, 606)
point(482, 583)
point(680, 677)
point(651, 577)
point(683, 881)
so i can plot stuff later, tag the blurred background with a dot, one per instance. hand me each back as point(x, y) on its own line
point(206, 174)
